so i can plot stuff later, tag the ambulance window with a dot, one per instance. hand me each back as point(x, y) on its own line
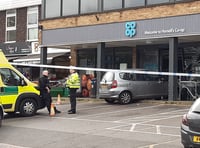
point(9, 77)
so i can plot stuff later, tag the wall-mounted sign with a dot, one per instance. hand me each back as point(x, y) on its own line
point(130, 29)
point(15, 48)
point(35, 48)
point(165, 31)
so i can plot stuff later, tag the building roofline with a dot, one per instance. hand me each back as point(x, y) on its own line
point(14, 4)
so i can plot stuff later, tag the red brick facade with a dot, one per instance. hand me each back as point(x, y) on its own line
point(2, 26)
point(21, 25)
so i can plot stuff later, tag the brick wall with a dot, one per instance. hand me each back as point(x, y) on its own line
point(2, 26)
point(21, 25)
point(125, 15)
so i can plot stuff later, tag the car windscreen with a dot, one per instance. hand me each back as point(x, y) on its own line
point(108, 77)
point(196, 106)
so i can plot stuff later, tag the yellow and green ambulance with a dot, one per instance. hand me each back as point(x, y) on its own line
point(17, 93)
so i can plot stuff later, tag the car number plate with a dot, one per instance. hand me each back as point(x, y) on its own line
point(104, 86)
point(196, 139)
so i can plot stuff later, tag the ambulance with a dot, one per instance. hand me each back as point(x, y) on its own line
point(17, 93)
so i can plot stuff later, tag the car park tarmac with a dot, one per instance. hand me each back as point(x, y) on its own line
point(98, 124)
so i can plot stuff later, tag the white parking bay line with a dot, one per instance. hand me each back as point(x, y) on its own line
point(153, 116)
point(132, 127)
point(158, 129)
point(119, 111)
point(96, 107)
point(4, 145)
point(157, 144)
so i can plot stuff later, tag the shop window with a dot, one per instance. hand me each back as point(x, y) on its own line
point(52, 8)
point(32, 23)
point(87, 58)
point(112, 4)
point(10, 25)
point(134, 3)
point(151, 2)
point(114, 57)
point(148, 59)
point(70, 7)
point(89, 6)
point(123, 55)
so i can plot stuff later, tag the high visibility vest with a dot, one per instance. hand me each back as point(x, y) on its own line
point(73, 81)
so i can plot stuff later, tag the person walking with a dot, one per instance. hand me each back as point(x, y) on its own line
point(45, 91)
point(73, 83)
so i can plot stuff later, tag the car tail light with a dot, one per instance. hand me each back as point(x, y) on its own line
point(114, 84)
point(185, 120)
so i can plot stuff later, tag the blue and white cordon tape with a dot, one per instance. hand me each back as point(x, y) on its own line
point(104, 70)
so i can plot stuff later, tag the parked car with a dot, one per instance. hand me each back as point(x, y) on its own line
point(190, 127)
point(127, 86)
point(1, 114)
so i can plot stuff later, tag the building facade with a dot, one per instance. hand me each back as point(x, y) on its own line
point(19, 30)
point(19, 38)
point(159, 35)
point(19, 26)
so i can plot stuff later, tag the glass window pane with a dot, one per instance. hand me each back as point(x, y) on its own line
point(32, 19)
point(88, 6)
point(134, 3)
point(32, 33)
point(112, 4)
point(11, 21)
point(52, 8)
point(11, 35)
point(70, 7)
point(156, 1)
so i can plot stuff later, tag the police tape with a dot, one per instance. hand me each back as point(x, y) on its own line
point(136, 71)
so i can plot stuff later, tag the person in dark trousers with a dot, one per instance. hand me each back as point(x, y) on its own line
point(73, 83)
point(45, 91)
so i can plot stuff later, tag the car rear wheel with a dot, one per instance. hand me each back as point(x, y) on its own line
point(28, 107)
point(111, 101)
point(125, 97)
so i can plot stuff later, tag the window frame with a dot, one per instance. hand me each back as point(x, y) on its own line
point(10, 14)
point(30, 11)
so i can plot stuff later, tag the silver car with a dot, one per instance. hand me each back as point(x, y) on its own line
point(127, 86)
point(190, 127)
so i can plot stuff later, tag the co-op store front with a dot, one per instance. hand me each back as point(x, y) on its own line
point(161, 44)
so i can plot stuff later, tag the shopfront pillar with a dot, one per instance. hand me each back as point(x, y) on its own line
point(134, 57)
point(100, 48)
point(43, 58)
point(173, 67)
point(73, 54)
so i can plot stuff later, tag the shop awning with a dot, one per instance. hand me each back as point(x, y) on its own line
point(35, 58)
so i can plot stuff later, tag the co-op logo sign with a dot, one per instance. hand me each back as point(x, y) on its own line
point(130, 29)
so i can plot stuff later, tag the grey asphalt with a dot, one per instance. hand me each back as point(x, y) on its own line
point(143, 124)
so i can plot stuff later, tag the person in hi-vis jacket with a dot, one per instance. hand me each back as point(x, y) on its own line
point(73, 83)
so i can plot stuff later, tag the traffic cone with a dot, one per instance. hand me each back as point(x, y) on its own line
point(52, 110)
point(58, 99)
